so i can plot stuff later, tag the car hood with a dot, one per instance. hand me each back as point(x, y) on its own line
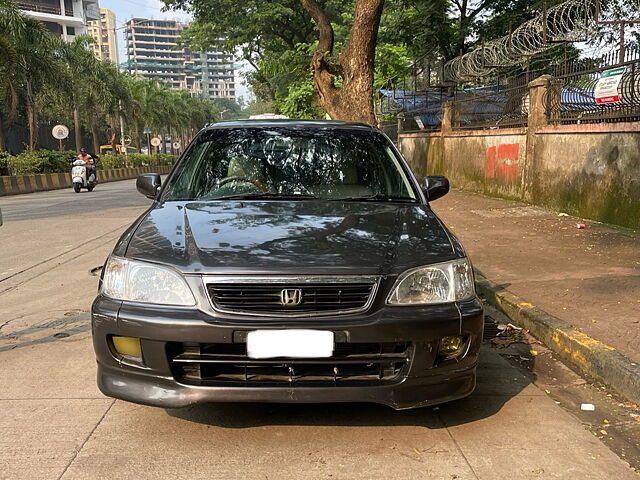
point(294, 237)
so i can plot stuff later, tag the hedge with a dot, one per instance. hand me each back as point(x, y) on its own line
point(51, 161)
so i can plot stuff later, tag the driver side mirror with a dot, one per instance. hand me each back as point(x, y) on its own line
point(435, 186)
point(148, 184)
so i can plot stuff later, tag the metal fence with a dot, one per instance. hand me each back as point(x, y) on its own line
point(504, 101)
point(571, 97)
point(494, 106)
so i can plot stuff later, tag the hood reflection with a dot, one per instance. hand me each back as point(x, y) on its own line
point(291, 237)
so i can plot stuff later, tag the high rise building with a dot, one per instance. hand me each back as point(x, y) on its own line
point(65, 18)
point(103, 31)
point(153, 52)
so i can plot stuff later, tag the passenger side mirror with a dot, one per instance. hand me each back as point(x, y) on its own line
point(148, 184)
point(435, 186)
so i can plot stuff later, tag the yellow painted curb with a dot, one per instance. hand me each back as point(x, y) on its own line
point(13, 185)
point(588, 356)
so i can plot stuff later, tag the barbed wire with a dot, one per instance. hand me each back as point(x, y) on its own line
point(571, 21)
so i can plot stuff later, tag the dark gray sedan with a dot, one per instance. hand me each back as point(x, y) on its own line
point(288, 261)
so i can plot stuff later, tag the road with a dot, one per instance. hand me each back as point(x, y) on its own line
point(56, 424)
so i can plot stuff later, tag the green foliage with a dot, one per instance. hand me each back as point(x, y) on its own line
point(4, 163)
point(258, 107)
point(301, 102)
point(51, 161)
point(38, 161)
point(135, 160)
point(46, 79)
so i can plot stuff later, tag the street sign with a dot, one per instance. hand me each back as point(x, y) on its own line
point(60, 132)
point(606, 90)
point(155, 141)
point(176, 145)
point(147, 131)
point(126, 140)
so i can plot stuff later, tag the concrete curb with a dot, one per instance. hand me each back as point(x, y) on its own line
point(39, 182)
point(589, 357)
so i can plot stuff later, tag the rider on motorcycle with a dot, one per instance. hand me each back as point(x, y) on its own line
point(89, 162)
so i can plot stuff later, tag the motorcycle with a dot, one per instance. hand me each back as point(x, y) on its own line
point(79, 175)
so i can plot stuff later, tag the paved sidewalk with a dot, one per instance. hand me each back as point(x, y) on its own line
point(590, 278)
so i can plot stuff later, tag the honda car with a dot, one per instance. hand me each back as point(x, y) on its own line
point(288, 261)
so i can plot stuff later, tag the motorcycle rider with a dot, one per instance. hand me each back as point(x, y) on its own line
point(89, 162)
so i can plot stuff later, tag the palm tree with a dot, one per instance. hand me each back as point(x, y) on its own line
point(80, 77)
point(11, 26)
point(44, 74)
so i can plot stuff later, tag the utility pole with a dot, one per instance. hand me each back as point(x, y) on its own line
point(124, 148)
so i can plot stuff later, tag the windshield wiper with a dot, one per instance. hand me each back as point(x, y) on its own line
point(377, 197)
point(271, 195)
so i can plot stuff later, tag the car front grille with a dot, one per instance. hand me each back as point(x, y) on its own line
point(305, 299)
point(211, 364)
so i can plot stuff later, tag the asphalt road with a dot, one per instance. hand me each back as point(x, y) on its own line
point(56, 424)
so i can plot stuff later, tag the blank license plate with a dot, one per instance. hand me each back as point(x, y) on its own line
point(289, 343)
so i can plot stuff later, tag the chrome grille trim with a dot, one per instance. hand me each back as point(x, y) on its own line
point(288, 280)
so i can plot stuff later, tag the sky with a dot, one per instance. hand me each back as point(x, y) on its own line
point(126, 9)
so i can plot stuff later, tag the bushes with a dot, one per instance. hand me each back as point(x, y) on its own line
point(4, 165)
point(135, 160)
point(49, 161)
point(37, 161)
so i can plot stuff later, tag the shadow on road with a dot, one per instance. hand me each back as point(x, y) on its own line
point(498, 382)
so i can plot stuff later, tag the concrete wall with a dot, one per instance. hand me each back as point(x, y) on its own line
point(592, 171)
point(589, 170)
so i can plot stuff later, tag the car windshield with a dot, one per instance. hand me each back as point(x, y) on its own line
point(292, 164)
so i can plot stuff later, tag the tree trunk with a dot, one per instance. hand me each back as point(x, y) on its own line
point(32, 118)
point(95, 136)
point(6, 124)
point(138, 141)
point(112, 138)
point(353, 101)
point(76, 128)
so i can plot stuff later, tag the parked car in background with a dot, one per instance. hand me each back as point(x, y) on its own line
point(288, 261)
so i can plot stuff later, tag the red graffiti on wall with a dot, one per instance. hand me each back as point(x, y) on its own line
point(502, 162)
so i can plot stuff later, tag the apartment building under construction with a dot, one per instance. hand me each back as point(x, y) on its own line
point(153, 52)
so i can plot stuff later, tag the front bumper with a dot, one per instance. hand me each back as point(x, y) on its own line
point(424, 380)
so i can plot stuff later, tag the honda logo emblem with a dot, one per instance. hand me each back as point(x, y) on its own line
point(290, 297)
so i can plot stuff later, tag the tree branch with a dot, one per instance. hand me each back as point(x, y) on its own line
point(325, 42)
point(481, 7)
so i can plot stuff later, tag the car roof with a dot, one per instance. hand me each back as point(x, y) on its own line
point(271, 123)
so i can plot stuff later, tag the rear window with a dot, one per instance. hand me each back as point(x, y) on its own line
point(326, 164)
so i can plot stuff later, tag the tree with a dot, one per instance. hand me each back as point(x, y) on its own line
point(80, 73)
point(37, 65)
point(11, 26)
point(343, 78)
point(352, 100)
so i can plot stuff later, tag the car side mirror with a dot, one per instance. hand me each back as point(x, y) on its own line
point(435, 186)
point(148, 184)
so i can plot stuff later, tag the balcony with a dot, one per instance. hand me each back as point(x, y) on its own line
point(51, 9)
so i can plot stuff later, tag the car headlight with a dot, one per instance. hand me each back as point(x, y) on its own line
point(437, 283)
point(137, 281)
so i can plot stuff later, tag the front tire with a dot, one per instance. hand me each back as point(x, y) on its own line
point(76, 187)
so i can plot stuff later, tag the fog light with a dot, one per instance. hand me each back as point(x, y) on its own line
point(450, 346)
point(127, 346)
